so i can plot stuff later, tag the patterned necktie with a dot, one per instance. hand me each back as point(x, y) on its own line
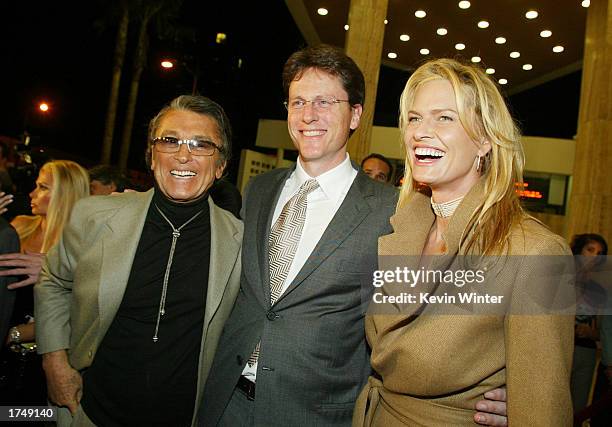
point(283, 242)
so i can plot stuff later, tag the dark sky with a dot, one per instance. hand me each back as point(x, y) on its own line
point(56, 51)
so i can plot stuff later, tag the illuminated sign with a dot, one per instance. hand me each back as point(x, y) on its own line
point(528, 194)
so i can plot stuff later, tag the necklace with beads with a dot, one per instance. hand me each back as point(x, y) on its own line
point(445, 209)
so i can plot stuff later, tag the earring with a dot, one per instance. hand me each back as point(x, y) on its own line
point(478, 163)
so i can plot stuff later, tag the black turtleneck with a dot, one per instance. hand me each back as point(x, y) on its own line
point(132, 380)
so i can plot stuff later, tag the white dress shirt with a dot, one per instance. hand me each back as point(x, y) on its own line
point(323, 203)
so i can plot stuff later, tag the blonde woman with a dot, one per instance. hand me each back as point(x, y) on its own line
point(462, 144)
point(59, 185)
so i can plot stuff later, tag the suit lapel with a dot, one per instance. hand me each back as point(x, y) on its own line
point(224, 248)
point(411, 227)
point(350, 214)
point(265, 214)
point(119, 244)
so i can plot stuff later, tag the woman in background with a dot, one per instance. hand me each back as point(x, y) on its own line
point(59, 185)
point(462, 143)
point(590, 250)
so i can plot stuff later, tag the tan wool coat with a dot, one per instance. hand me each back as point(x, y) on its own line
point(430, 370)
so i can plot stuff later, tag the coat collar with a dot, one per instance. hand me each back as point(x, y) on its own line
point(404, 247)
point(225, 241)
point(264, 223)
point(412, 223)
point(118, 253)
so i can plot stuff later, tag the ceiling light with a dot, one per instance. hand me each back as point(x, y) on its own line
point(464, 4)
point(404, 37)
point(527, 67)
point(322, 11)
point(490, 71)
point(558, 49)
point(586, 3)
point(476, 59)
point(420, 14)
point(386, 21)
point(346, 27)
point(500, 40)
point(424, 51)
point(531, 14)
point(442, 31)
point(502, 81)
point(514, 54)
point(392, 55)
point(483, 24)
point(459, 46)
point(545, 33)
point(167, 64)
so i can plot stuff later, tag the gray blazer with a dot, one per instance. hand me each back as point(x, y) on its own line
point(84, 279)
point(314, 358)
point(9, 243)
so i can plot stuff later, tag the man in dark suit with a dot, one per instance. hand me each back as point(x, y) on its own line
point(9, 243)
point(313, 358)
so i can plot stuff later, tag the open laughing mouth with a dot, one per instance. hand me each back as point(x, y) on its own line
point(427, 155)
point(182, 174)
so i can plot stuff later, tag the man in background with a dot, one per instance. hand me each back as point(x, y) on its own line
point(377, 167)
point(6, 183)
point(105, 179)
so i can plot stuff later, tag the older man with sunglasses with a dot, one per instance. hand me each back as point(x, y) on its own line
point(120, 323)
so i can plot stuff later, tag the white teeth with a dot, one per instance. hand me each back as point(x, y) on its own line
point(182, 173)
point(313, 132)
point(425, 151)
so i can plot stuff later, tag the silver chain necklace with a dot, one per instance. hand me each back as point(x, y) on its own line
point(176, 233)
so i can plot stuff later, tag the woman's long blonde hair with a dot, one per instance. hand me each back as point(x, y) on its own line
point(485, 116)
point(70, 183)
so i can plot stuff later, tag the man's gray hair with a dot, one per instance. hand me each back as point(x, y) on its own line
point(200, 105)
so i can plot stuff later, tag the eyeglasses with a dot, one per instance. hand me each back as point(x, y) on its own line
point(320, 103)
point(197, 147)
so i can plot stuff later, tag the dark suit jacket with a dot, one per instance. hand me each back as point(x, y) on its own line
point(314, 358)
point(9, 243)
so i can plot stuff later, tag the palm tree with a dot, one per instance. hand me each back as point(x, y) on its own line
point(119, 57)
point(163, 11)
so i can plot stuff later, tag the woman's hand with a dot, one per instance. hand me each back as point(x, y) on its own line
point(5, 200)
point(492, 409)
point(28, 264)
point(26, 333)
